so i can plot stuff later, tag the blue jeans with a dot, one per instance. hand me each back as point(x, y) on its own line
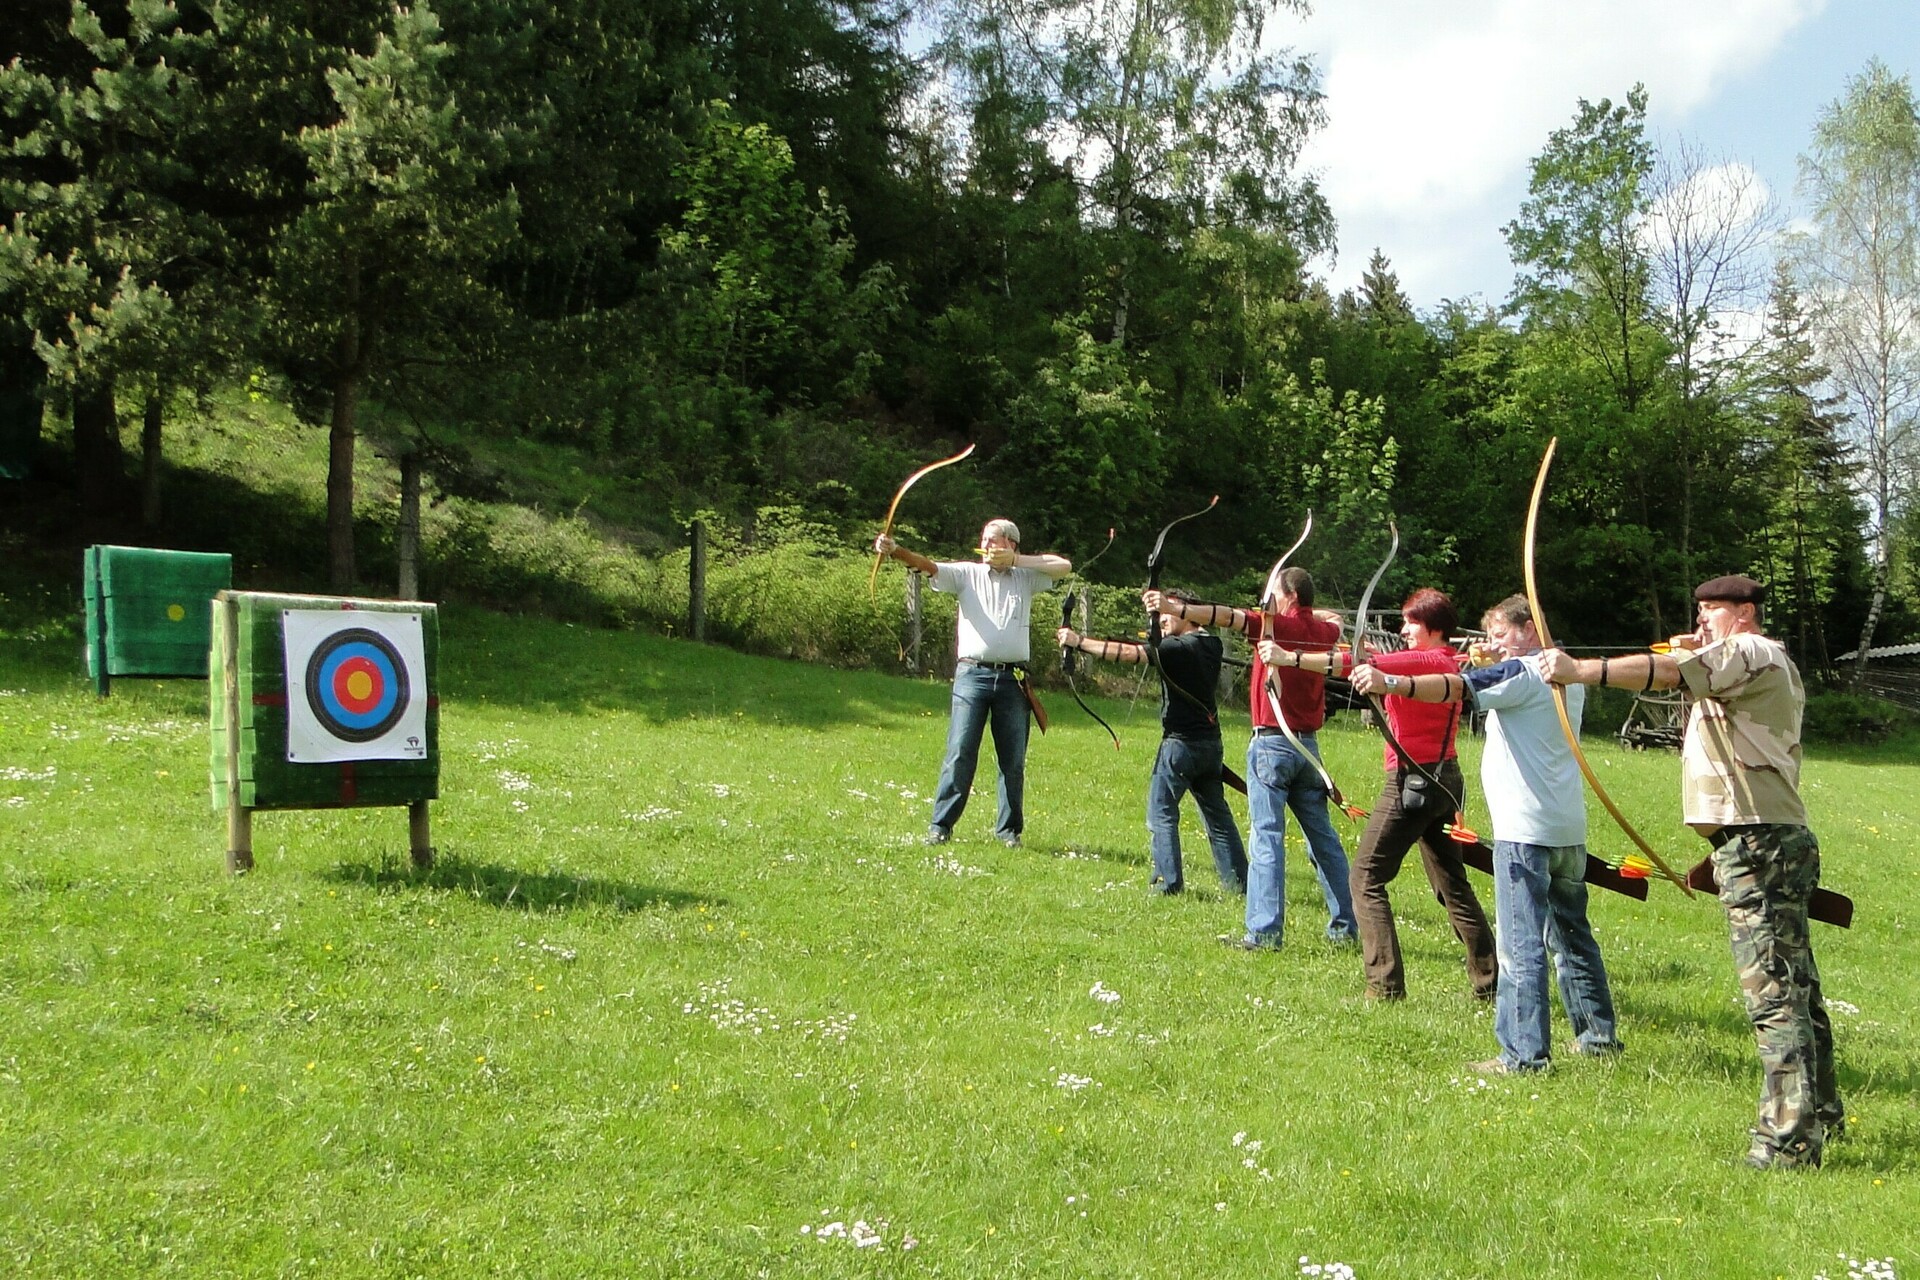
point(1280, 778)
point(1540, 904)
point(1184, 766)
point(981, 694)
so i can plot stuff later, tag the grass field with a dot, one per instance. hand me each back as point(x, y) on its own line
point(684, 996)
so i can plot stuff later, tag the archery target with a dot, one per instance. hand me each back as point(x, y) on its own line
point(356, 686)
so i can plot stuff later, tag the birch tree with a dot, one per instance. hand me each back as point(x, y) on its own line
point(1860, 274)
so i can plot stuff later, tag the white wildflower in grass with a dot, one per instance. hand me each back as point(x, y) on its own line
point(861, 1234)
point(858, 794)
point(723, 1010)
point(1147, 1037)
point(511, 781)
point(1104, 994)
point(175, 729)
point(653, 813)
point(955, 867)
point(1841, 1006)
point(490, 751)
point(1074, 855)
point(720, 789)
point(1325, 1270)
point(1470, 1084)
point(13, 693)
point(1249, 1149)
point(1079, 1201)
point(564, 953)
point(1864, 1268)
point(1102, 1030)
point(1074, 1084)
point(16, 802)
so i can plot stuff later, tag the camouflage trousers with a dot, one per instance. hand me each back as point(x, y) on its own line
point(1767, 874)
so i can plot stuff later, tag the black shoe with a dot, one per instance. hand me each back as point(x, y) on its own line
point(936, 835)
point(1011, 841)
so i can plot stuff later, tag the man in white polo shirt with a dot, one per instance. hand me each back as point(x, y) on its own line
point(1533, 790)
point(989, 684)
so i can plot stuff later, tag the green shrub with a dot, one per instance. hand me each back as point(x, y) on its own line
point(1836, 717)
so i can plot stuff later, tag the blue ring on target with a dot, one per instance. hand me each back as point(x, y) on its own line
point(343, 711)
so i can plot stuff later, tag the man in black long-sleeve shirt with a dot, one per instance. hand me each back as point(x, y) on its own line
point(1190, 757)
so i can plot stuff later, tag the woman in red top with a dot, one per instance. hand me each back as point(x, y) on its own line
point(1409, 811)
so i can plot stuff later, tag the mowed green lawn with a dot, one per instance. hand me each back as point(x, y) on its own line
point(685, 996)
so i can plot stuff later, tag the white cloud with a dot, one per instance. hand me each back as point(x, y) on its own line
point(1436, 107)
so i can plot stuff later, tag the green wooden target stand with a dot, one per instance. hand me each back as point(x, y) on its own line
point(253, 762)
point(147, 611)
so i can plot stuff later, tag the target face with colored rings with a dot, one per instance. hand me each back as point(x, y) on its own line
point(357, 684)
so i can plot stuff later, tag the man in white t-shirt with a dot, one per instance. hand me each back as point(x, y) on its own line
point(1533, 789)
point(989, 683)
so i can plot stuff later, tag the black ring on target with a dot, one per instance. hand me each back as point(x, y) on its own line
point(345, 715)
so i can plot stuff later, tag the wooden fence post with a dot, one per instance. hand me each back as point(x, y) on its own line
point(697, 583)
point(239, 817)
point(407, 541)
point(913, 623)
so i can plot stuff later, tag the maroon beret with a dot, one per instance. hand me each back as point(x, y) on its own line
point(1735, 588)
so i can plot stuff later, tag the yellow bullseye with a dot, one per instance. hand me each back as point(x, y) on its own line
point(359, 686)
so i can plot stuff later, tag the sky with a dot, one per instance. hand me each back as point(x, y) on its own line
point(1437, 107)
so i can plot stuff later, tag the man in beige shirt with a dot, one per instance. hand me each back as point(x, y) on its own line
point(1740, 788)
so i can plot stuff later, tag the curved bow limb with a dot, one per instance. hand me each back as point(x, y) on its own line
point(1267, 598)
point(1066, 655)
point(893, 508)
point(1156, 560)
point(1559, 695)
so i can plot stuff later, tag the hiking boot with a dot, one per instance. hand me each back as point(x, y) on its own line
point(1380, 995)
point(1491, 1067)
point(1011, 841)
point(1801, 1155)
point(937, 835)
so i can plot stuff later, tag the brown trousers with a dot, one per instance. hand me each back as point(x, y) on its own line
point(1390, 833)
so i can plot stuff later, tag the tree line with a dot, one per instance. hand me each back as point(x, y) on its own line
point(754, 253)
